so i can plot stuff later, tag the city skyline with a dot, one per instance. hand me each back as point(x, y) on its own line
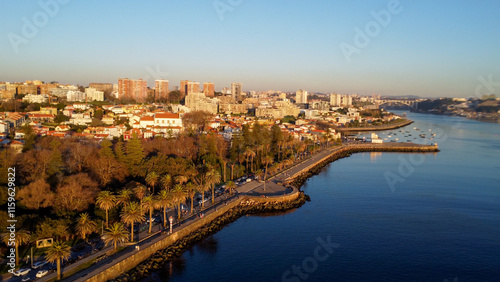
point(384, 47)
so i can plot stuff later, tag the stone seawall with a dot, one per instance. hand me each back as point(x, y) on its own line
point(174, 244)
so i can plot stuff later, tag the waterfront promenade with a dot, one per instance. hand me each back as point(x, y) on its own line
point(273, 191)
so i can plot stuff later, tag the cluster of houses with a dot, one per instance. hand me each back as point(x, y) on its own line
point(128, 121)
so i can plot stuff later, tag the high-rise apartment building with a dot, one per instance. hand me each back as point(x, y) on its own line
point(209, 89)
point(104, 87)
point(183, 87)
point(338, 100)
point(161, 89)
point(301, 97)
point(192, 87)
point(236, 91)
point(136, 89)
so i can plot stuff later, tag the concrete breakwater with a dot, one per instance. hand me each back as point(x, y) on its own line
point(344, 151)
point(247, 205)
point(348, 130)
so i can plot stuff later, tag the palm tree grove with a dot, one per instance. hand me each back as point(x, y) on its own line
point(75, 191)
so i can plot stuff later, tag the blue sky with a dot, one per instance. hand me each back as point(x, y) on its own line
point(428, 48)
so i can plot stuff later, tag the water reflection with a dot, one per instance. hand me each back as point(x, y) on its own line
point(208, 245)
point(374, 156)
point(171, 268)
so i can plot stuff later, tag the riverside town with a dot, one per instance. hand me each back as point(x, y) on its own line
point(249, 141)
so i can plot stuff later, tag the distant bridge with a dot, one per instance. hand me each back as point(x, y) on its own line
point(398, 102)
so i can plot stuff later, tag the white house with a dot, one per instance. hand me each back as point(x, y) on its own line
point(167, 119)
point(146, 121)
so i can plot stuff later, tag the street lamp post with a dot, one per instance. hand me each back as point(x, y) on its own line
point(171, 219)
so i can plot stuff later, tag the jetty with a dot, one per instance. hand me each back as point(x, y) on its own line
point(280, 193)
point(347, 130)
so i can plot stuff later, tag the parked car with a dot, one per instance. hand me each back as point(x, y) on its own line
point(41, 273)
point(22, 271)
point(39, 264)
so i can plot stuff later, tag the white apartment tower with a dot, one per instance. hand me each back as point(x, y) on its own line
point(236, 91)
point(301, 97)
point(337, 100)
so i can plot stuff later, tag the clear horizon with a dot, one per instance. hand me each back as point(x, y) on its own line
point(390, 48)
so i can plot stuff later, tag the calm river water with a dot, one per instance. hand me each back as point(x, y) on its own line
point(374, 217)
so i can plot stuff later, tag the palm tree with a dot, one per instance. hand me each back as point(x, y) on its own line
point(266, 160)
point(179, 194)
point(230, 186)
point(247, 155)
point(85, 225)
point(181, 179)
point(131, 214)
point(201, 182)
point(191, 191)
point(164, 201)
point(116, 234)
point(224, 165)
point(106, 201)
point(140, 192)
point(152, 179)
point(124, 197)
point(252, 156)
point(22, 237)
point(149, 203)
point(259, 174)
point(232, 164)
point(56, 253)
point(166, 181)
point(213, 178)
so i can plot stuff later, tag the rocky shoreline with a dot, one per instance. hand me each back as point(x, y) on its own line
point(246, 207)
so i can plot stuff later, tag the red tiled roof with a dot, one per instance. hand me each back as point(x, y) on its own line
point(147, 118)
point(166, 115)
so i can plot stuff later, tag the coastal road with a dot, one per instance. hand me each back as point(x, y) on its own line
point(252, 188)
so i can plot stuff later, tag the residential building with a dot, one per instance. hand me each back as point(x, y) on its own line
point(301, 97)
point(209, 89)
point(94, 95)
point(27, 89)
point(338, 100)
point(75, 95)
point(135, 89)
point(199, 102)
point(48, 111)
point(183, 86)
point(32, 98)
point(192, 87)
point(4, 126)
point(15, 119)
point(161, 90)
point(104, 87)
point(146, 121)
point(236, 91)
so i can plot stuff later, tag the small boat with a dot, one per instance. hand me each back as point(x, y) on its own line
point(422, 135)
